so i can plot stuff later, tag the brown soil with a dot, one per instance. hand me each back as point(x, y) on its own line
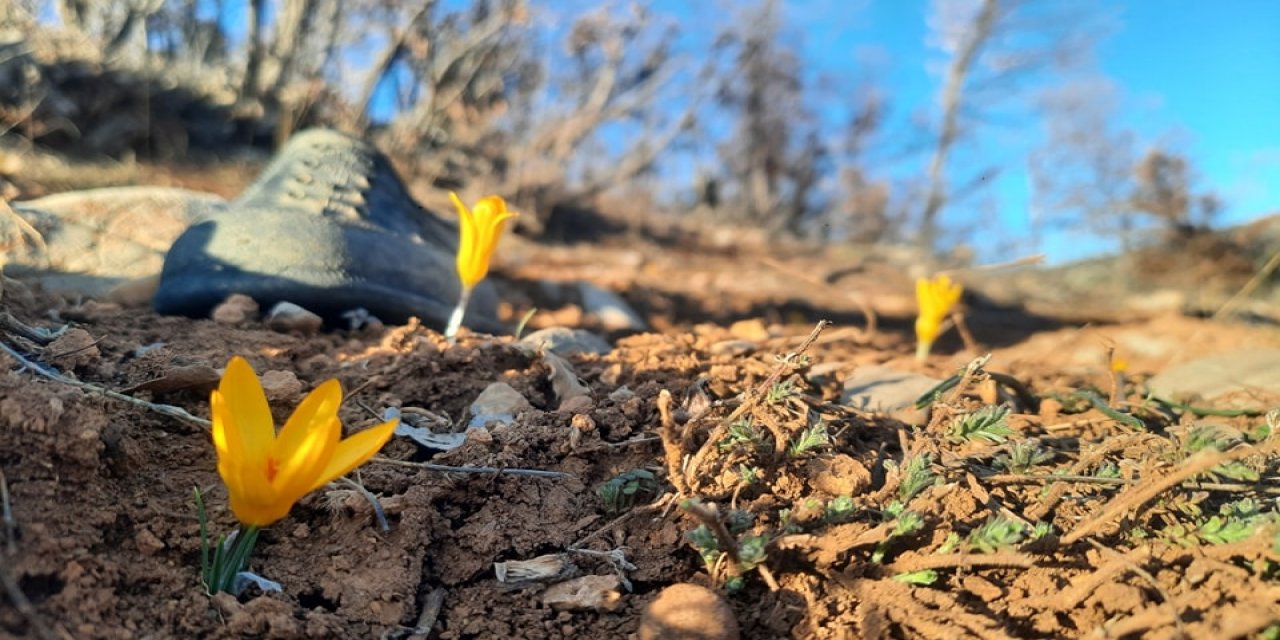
point(102, 541)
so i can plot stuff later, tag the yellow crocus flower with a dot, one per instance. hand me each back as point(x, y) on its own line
point(266, 472)
point(479, 229)
point(936, 298)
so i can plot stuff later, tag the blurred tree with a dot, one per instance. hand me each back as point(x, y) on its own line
point(992, 50)
point(460, 93)
point(1082, 174)
point(775, 156)
point(1163, 190)
point(1086, 175)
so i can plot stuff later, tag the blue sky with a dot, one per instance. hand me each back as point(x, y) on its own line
point(1204, 75)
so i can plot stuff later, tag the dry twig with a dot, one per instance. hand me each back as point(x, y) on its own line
point(1138, 495)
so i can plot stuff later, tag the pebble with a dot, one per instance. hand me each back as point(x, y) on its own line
point(499, 402)
point(567, 342)
point(610, 309)
point(287, 317)
point(1249, 374)
point(281, 384)
point(884, 390)
point(733, 348)
point(750, 330)
point(74, 348)
point(588, 593)
point(688, 612)
point(236, 309)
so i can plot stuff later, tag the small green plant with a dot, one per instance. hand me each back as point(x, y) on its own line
point(705, 542)
point(627, 489)
point(950, 544)
point(749, 475)
point(785, 523)
point(893, 509)
point(1236, 521)
point(743, 434)
point(738, 520)
point(995, 534)
point(916, 476)
point(1107, 470)
point(839, 509)
point(780, 391)
point(924, 577)
point(1213, 437)
point(1208, 436)
point(812, 438)
point(752, 551)
point(989, 423)
point(907, 523)
point(1041, 530)
point(222, 560)
point(1023, 456)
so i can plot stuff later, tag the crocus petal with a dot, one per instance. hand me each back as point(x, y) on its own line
point(226, 438)
point(355, 450)
point(478, 232)
point(316, 411)
point(253, 509)
point(249, 429)
point(313, 431)
point(467, 240)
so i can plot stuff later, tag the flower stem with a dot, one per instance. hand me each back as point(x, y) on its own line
point(922, 350)
point(230, 554)
point(455, 320)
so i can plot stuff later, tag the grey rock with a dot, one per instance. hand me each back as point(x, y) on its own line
point(610, 309)
point(884, 390)
point(497, 403)
point(567, 342)
point(1251, 374)
point(287, 316)
point(91, 241)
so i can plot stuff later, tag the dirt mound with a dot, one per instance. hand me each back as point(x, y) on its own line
point(1075, 510)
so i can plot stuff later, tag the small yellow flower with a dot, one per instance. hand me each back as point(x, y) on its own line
point(266, 472)
point(479, 229)
point(935, 298)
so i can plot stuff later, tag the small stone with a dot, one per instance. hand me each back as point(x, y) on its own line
point(621, 394)
point(148, 543)
point(576, 404)
point(1244, 378)
point(287, 317)
point(479, 435)
point(73, 349)
point(280, 385)
point(838, 475)
point(1050, 409)
point(583, 422)
point(613, 313)
point(588, 593)
point(983, 588)
point(688, 612)
point(750, 330)
point(733, 348)
point(881, 389)
point(497, 403)
point(236, 309)
point(566, 342)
